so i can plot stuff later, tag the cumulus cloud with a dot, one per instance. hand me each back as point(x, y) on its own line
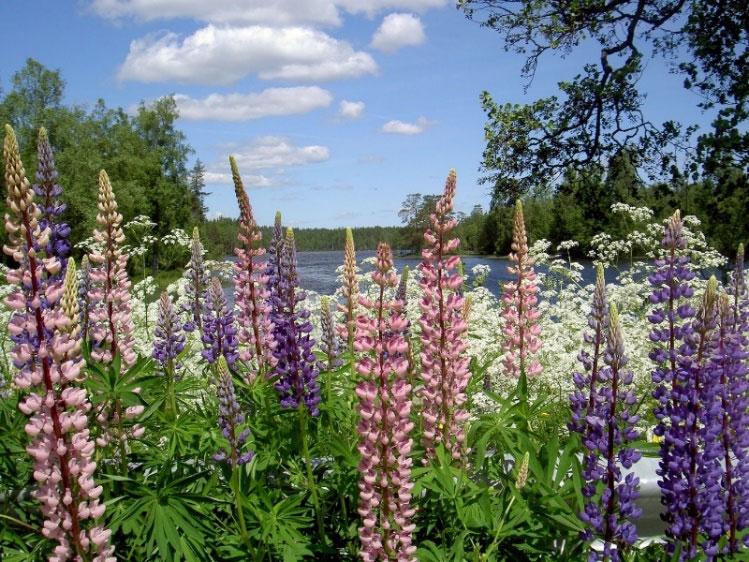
point(223, 178)
point(275, 12)
point(350, 109)
point(278, 153)
point(223, 55)
point(397, 31)
point(396, 127)
point(243, 107)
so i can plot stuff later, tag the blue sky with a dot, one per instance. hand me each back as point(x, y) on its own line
point(335, 109)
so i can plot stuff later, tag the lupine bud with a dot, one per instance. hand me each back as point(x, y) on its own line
point(329, 340)
point(251, 285)
point(230, 419)
point(522, 475)
point(521, 329)
point(384, 424)
point(196, 285)
point(444, 364)
point(350, 291)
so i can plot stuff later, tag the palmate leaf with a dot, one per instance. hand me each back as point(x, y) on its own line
point(281, 524)
point(166, 518)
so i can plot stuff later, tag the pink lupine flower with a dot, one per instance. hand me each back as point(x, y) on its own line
point(251, 285)
point(521, 330)
point(444, 366)
point(350, 290)
point(46, 352)
point(384, 426)
point(110, 317)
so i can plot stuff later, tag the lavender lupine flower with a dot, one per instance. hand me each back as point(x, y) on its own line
point(384, 423)
point(273, 264)
point(295, 367)
point(84, 302)
point(444, 364)
point(219, 331)
point(230, 420)
point(729, 360)
point(250, 285)
point(401, 293)
point(110, 318)
point(350, 290)
point(196, 286)
point(46, 354)
point(329, 341)
point(601, 413)
point(169, 341)
point(521, 329)
point(48, 192)
point(671, 355)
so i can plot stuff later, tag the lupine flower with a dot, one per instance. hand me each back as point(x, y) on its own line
point(444, 365)
point(230, 420)
point(219, 331)
point(521, 330)
point(46, 354)
point(401, 293)
point(196, 285)
point(110, 318)
point(48, 192)
point(329, 340)
point(84, 302)
point(384, 423)
point(169, 341)
point(295, 367)
point(672, 375)
point(601, 413)
point(729, 360)
point(273, 264)
point(350, 290)
point(250, 285)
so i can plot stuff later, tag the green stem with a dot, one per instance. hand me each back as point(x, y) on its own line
point(238, 506)
point(171, 398)
point(310, 476)
point(495, 541)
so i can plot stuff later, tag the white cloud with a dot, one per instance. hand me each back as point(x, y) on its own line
point(396, 127)
point(275, 12)
point(398, 30)
point(278, 153)
point(224, 178)
point(350, 109)
point(243, 107)
point(222, 55)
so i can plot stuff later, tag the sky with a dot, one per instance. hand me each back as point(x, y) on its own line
point(334, 109)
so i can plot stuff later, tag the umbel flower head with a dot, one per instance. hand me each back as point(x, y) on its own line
point(219, 331)
point(521, 329)
point(48, 192)
point(250, 285)
point(350, 291)
point(46, 355)
point(230, 420)
point(296, 369)
point(444, 364)
point(110, 318)
point(196, 285)
point(384, 426)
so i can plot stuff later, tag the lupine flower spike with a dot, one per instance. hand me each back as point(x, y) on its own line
point(230, 420)
point(46, 353)
point(273, 264)
point(444, 364)
point(384, 426)
point(196, 285)
point(350, 291)
point(519, 311)
point(329, 340)
point(219, 330)
point(168, 343)
point(48, 192)
point(601, 413)
point(296, 368)
point(84, 302)
point(250, 285)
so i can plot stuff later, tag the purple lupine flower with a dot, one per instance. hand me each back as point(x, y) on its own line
point(85, 303)
point(48, 192)
point(601, 413)
point(169, 341)
point(219, 332)
point(329, 342)
point(296, 371)
point(401, 292)
point(273, 264)
point(230, 419)
point(196, 286)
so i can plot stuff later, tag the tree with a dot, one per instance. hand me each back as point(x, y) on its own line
point(599, 112)
point(36, 89)
point(197, 193)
